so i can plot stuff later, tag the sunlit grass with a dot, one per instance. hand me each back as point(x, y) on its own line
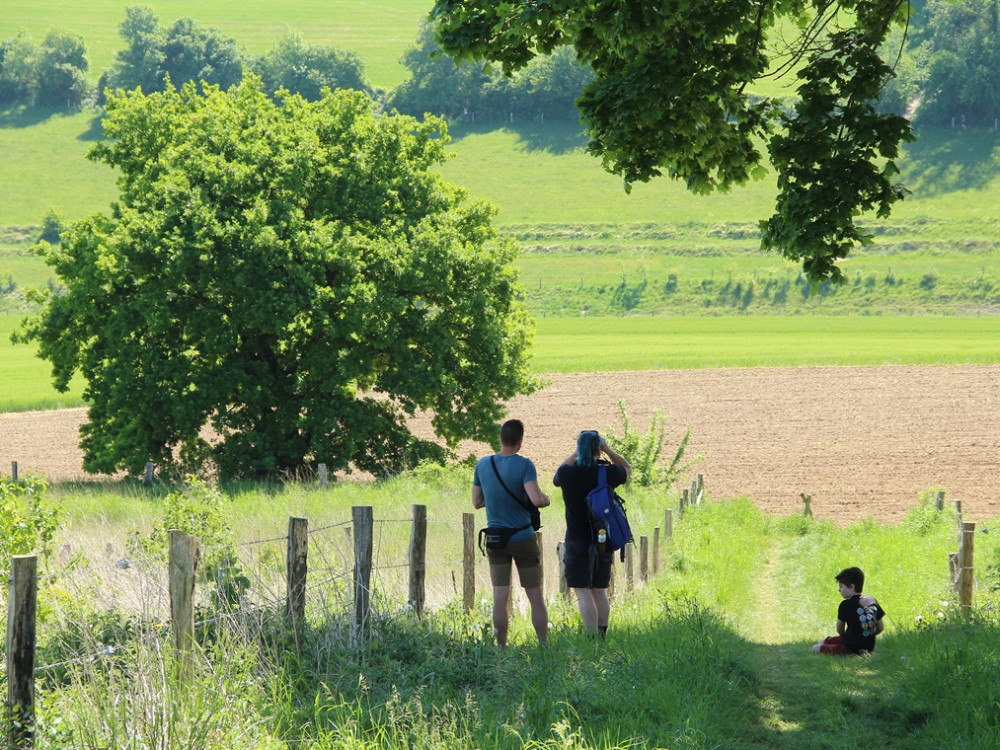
point(562, 344)
point(712, 651)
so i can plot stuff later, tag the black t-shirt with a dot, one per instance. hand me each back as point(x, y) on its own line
point(860, 613)
point(576, 481)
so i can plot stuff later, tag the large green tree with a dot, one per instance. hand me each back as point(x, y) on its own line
point(296, 275)
point(671, 96)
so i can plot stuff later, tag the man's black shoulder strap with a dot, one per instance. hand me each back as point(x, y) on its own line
point(521, 501)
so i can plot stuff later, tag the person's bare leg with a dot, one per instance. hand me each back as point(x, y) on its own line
point(539, 613)
point(588, 609)
point(603, 606)
point(500, 618)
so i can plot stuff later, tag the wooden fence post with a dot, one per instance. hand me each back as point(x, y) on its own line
point(147, 477)
point(656, 550)
point(629, 575)
point(364, 525)
point(13, 470)
point(323, 473)
point(684, 502)
point(22, 604)
point(182, 567)
point(940, 500)
point(297, 567)
point(468, 561)
point(418, 558)
point(643, 559)
point(668, 523)
point(965, 570)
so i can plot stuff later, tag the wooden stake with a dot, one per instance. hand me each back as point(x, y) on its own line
point(418, 558)
point(22, 604)
point(468, 561)
point(297, 567)
point(182, 567)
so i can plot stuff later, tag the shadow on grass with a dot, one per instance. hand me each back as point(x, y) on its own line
point(552, 138)
point(25, 117)
point(943, 160)
point(95, 129)
point(814, 702)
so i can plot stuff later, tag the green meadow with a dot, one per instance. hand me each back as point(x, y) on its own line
point(711, 649)
point(681, 277)
point(668, 343)
point(653, 343)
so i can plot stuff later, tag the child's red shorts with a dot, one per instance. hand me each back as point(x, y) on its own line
point(833, 645)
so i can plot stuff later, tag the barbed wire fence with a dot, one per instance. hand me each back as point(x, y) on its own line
point(348, 574)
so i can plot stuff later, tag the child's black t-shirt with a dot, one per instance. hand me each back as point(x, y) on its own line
point(861, 614)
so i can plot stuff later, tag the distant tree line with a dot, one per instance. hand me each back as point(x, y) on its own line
point(947, 69)
point(546, 89)
point(55, 72)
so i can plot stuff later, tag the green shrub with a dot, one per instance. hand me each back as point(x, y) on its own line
point(197, 509)
point(644, 452)
point(26, 525)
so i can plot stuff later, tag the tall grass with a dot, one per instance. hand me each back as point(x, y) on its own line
point(713, 651)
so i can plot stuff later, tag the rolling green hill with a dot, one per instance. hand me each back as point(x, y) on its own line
point(588, 249)
point(378, 30)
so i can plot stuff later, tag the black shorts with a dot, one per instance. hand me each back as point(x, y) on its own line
point(586, 568)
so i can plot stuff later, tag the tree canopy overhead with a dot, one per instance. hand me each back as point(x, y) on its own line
point(295, 274)
point(670, 97)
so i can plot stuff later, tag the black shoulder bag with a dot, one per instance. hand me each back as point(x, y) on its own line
point(496, 537)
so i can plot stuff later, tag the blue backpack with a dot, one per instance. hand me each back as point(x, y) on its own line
point(607, 511)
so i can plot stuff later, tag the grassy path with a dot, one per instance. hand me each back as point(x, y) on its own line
point(808, 702)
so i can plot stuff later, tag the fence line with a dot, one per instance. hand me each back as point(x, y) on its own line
point(185, 554)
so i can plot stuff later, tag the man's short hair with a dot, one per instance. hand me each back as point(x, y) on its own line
point(850, 576)
point(511, 432)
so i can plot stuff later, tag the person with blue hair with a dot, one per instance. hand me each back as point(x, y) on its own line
point(588, 569)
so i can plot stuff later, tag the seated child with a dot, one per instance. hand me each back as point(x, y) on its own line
point(859, 618)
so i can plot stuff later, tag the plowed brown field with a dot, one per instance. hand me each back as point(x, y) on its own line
point(860, 440)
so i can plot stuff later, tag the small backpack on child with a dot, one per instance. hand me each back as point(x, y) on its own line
point(607, 513)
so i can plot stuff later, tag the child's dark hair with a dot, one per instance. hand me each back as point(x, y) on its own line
point(850, 576)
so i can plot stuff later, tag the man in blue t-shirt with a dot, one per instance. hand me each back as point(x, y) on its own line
point(506, 484)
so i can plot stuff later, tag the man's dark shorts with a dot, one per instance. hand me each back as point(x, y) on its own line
point(524, 555)
point(586, 568)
